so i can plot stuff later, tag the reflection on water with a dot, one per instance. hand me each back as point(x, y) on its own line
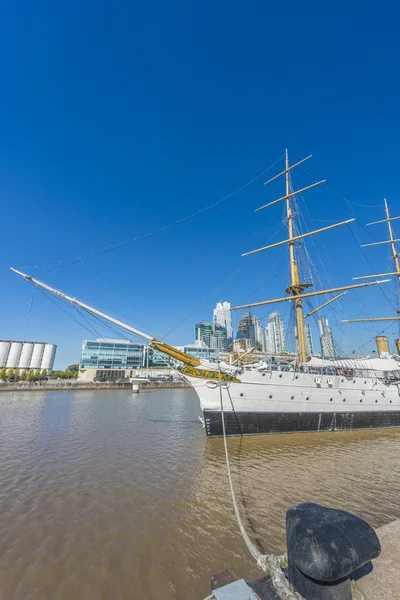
point(113, 495)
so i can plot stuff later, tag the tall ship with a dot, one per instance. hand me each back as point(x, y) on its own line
point(293, 393)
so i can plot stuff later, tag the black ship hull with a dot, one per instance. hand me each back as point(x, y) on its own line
point(255, 423)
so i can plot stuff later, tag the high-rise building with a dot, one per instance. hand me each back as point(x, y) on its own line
point(266, 340)
point(326, 338)
point(259, 334)
point(211, 335)
point(309, 340)
point(241, 344)
point(222, 316)
point(244, 328)
point(250, 328)
point(276, 334)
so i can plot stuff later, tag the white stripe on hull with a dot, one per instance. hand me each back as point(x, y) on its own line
point(279, 391)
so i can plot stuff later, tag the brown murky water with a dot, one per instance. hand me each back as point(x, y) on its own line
point(105, 495)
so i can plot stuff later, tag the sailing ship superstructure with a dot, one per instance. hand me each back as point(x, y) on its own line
point(308, 395)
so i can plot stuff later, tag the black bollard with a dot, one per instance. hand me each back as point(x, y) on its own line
point(325, 546)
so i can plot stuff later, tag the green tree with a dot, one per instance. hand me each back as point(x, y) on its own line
point(73, 369)
point(24, 375)
point(3, 374)
point(13, 375)
point(59, 375)
point(44, 375)
point(31, 375)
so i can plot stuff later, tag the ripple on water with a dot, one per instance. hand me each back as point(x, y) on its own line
point(111, 495)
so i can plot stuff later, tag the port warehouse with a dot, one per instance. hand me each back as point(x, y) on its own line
point(27, 355)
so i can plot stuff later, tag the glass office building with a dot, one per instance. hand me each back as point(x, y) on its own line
point(201, 352)
point(112, 354)
point(212, 335)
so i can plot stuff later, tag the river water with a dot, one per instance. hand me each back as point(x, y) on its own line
point(109, 495)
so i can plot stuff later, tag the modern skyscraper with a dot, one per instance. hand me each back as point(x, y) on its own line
point(211, 334)
point(244, 331)
point(251, 329)
point(309, 341)
point(326, 338)
point(276, 334)
point(266, 339)
point(222, 316)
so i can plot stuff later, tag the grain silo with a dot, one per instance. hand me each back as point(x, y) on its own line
point(13, 355)
point(4, 350)
point(37, 355)
point(25, 356)
point(49, 354)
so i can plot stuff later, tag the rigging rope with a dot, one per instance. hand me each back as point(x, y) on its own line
point(29, 314)
point(74, 259)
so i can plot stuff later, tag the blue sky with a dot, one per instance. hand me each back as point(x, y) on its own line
point(119, 119)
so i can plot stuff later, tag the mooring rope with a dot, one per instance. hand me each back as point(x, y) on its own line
point(271, 564)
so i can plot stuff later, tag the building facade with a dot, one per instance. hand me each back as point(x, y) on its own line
point(309, 340)
point(276, 334)
point(242, 345)
point(211, 335)
point(154, 358)
point(27, 355)
point(200, 352)
point(250, 328)
point(222, 316)
point(111, 354)
point(108, 359)
point(326, 338)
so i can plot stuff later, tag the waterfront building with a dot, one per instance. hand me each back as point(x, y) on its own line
point(201, 352)
point(222, 316)
point(276, 334)
point(326, 338)
point(110, 359)
point(211, 335)
point(27, 355)
point(154, 358)
point(111, 354)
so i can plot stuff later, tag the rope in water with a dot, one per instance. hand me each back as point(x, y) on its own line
point(269, 563)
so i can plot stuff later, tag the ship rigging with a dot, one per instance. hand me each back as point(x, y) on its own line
point(310, 395)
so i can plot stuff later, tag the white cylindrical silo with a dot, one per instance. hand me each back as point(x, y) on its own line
point(49, 355)
point(25, 356)
point(13, 355)
point(4, 350)
point(37, 355)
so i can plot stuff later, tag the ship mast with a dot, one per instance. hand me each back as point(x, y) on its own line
point(296, 288)
point(395, 257)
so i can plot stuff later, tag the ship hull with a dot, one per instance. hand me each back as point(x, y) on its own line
point(255, 423)
point(287, 402)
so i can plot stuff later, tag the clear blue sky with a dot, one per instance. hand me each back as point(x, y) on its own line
point(120, 118)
